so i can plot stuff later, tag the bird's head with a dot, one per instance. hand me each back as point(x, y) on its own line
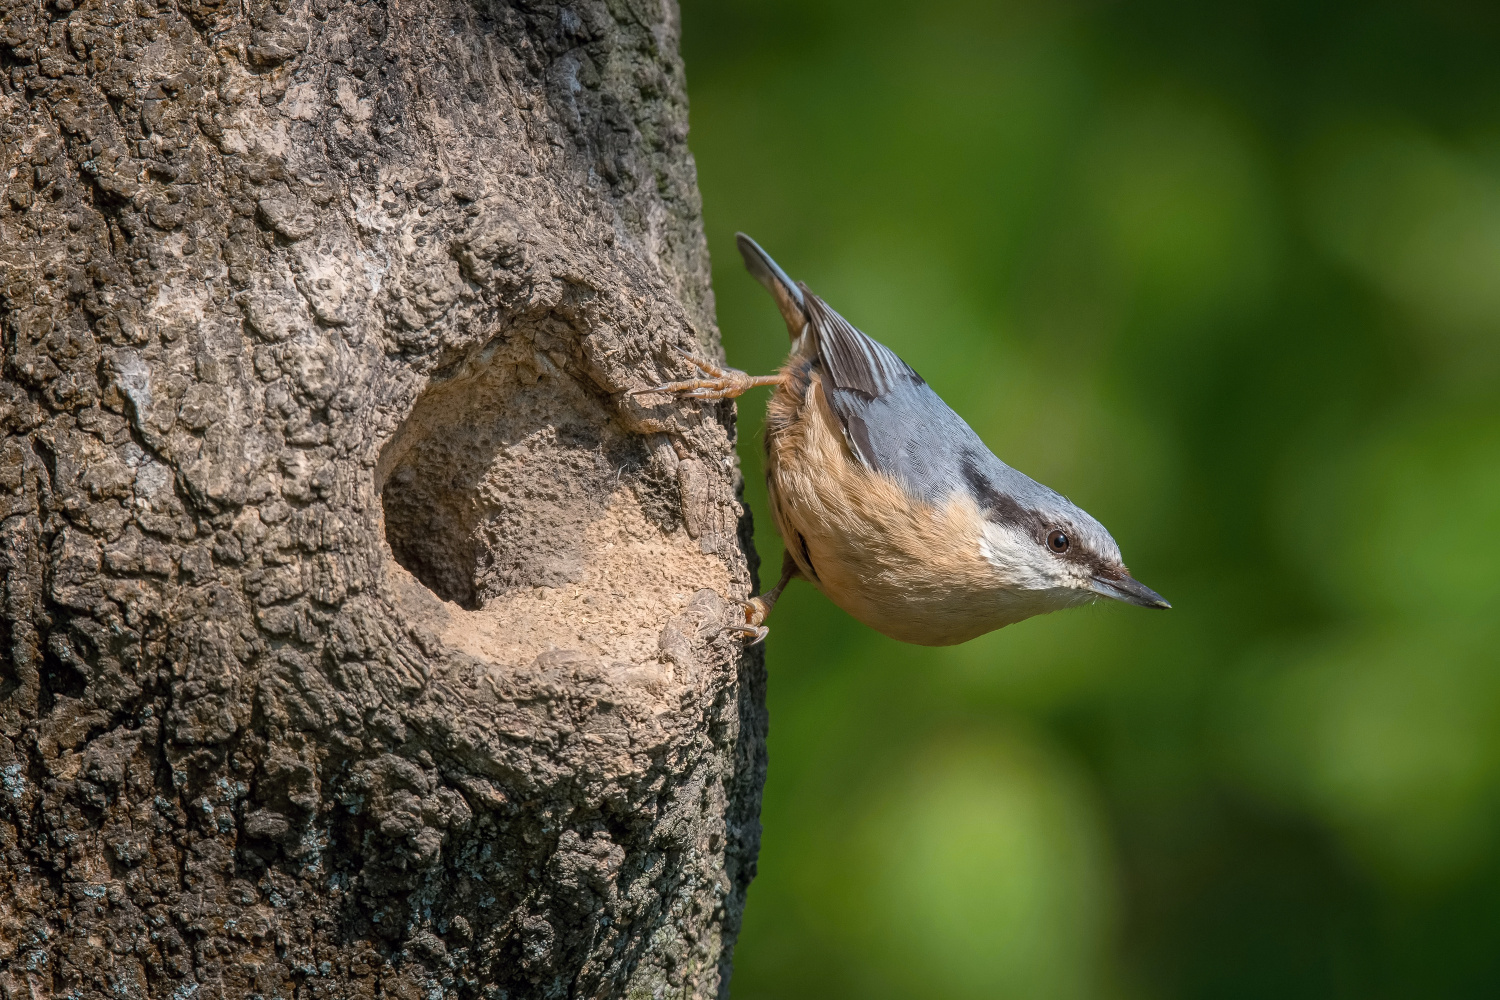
point(1044, 546)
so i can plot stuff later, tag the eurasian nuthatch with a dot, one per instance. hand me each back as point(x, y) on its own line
point(890, 503)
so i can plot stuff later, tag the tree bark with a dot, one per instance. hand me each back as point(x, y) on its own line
point(359, 636)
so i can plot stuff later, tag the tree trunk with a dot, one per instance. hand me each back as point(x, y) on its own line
point(359, 636)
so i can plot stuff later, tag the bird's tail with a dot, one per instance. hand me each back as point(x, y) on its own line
point(785, 291)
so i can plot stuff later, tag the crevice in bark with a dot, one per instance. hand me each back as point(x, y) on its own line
point(59, 678)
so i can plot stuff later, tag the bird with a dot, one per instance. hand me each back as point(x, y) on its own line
point(888, 502)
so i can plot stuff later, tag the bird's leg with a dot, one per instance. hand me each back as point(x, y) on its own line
point(757, 609)
point(718, 383)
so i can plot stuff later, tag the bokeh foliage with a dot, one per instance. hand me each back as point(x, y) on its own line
point(1227, 274)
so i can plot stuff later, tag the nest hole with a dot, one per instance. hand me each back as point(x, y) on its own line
point(492, 480)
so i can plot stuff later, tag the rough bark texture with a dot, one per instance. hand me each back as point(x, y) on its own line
point(359, 638)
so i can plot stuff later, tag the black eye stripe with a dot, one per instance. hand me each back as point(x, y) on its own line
point(998, 507)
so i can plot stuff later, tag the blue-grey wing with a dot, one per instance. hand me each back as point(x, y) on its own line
point(892, 420)
point(896, 425)
point(912, 436)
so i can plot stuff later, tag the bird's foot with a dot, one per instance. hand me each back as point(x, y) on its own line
point(751, 630)
point(757, 609)
point(718, 383)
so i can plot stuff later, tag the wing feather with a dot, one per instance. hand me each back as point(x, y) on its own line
point(853, 361)
point(892, 420)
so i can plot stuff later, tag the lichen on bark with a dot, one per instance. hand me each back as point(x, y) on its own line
point(354, 639)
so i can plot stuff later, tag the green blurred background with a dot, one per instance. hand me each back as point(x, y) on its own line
point(1228, 275)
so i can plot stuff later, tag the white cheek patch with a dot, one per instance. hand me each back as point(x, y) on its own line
point(1019, 561)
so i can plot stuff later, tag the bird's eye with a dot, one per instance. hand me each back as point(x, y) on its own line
point(1058, 541)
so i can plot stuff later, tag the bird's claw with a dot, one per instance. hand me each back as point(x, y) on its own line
point(721, 383)
point(753, 635)
point(751, 629)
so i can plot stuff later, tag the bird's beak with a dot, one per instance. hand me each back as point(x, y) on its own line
point(1127, 588)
